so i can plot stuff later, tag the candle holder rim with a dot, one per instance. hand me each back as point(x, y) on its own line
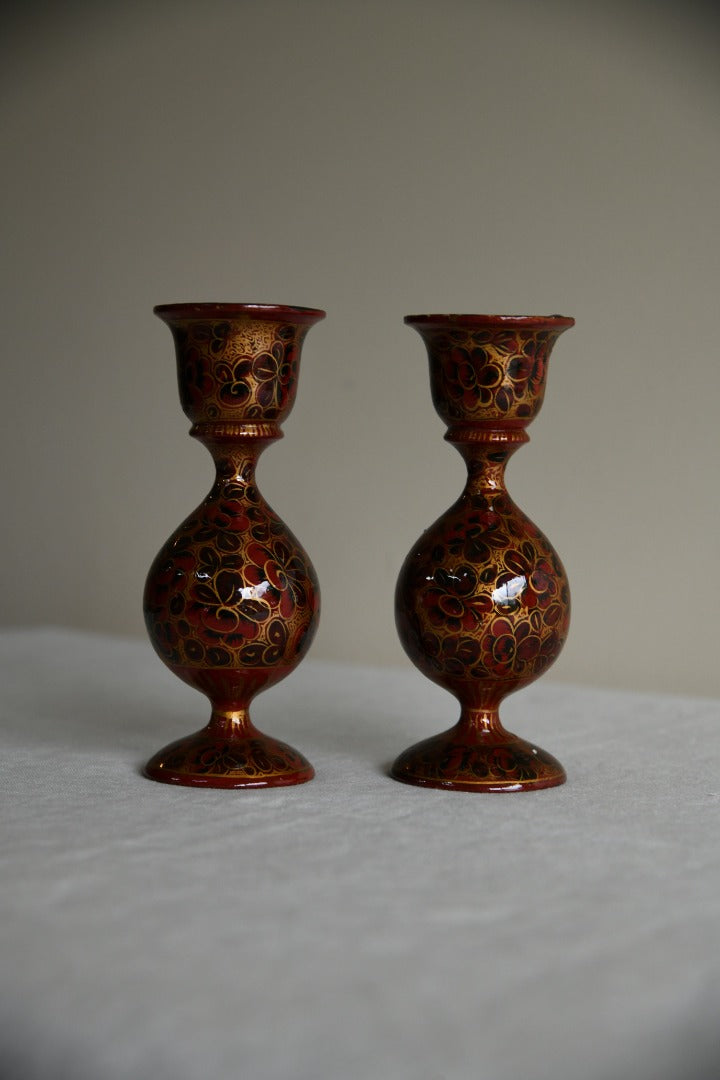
point(234, 310)
point(511, 322)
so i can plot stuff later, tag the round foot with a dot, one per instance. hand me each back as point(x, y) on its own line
point(213, 759)
point(468, 760)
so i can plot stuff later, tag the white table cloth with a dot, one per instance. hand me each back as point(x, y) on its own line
point(352, 927)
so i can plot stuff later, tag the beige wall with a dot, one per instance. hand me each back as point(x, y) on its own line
point(374, 159)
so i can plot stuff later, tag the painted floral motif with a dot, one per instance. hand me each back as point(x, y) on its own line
point(231, 588)
point(255, 758)
point(482, 374)
point(482, 602)
point(470, 766)
point(245, 371)
point(502, 618)
point(232, 600)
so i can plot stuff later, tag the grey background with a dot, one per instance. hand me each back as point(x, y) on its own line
point(373, 159)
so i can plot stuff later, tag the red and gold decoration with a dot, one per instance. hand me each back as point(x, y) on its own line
point(482, 602)
point(232, 600)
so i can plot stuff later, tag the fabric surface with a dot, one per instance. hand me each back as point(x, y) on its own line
point(352, 927)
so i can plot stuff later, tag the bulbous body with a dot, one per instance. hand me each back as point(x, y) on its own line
point(482, 601)
point(231, 600)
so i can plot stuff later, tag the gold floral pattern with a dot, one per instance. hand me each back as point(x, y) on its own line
point(237, 370)
point(232, 600)
point(486, 374)
point(482, 602)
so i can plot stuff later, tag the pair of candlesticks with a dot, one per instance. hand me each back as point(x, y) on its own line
point(232, 601)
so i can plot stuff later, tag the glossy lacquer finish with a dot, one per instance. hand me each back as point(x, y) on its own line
point(482, 601)
point(232, 601)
